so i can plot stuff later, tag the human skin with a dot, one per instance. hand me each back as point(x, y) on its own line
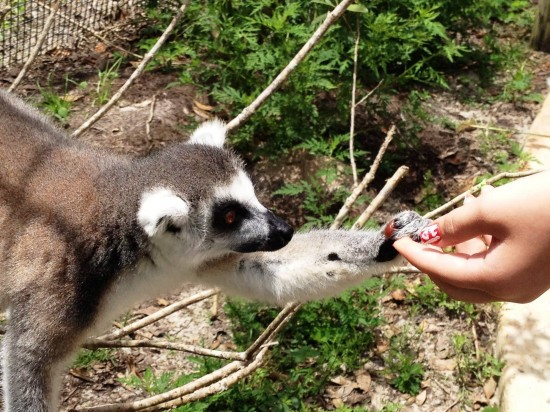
point(502, 241)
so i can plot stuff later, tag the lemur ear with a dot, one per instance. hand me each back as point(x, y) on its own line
point(210, 133)
point(161, 210)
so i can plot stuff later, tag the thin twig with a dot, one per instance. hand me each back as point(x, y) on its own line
point(281, 77)
point(380, 197)
point(217, 387)
point(162, 313)
point(369, 94)
point(369, 177)
point(198, 350)
point(505, 130)
point(274, 327)
point(37, 46)
point(477, 188)
point(476, 341)
point(150, 119)
point(148, 57)
point(91, 31)
point(353, 106)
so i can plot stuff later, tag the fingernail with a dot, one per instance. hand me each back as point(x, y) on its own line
point(430, 234)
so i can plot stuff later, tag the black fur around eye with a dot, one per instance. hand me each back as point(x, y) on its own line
point(228, 215)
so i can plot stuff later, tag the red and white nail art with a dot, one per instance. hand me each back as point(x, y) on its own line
point(430, 234)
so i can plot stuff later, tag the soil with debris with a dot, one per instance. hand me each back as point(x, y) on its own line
point(152, 114)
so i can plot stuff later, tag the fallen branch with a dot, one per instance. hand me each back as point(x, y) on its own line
point(381, 197)
point(447, 206)
point(369, 177)
point(162, 313)
point(37, 46)
point(180, 347)
point(369, 94)
point(300, 56)
point(146, 59)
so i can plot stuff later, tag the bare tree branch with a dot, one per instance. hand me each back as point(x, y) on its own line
point(37, 46)
point(447, 206)
point(353, 105)
point(162, 313)
point(381, 197)
point(365, 182)
point(198, 350)
point(148, 57)
point(300, 56)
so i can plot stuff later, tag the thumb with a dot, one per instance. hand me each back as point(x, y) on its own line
point(457, 226)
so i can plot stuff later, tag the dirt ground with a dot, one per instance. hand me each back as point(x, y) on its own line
point(155, 113)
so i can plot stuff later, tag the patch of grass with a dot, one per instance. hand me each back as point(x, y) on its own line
point(105, 80)
point(428, 297)
point(474, 368)
point(54, 103)
point(86, 358)
point(401, 364)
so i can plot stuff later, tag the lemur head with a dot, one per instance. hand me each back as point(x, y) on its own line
point(203, 199)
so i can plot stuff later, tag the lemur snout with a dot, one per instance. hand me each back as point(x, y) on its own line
point(280, 233)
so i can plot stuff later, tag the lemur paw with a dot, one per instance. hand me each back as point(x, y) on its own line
point(406, 224)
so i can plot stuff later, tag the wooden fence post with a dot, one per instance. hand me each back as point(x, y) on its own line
point(540, 39)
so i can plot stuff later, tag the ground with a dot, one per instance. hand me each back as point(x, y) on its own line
point(156, 112)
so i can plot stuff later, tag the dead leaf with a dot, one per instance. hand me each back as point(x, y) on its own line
point(489, 388)
point(100, 48)
point(340, 380)
point(202, 106)
point(399, 295)
point(162, 302)
point(201, 113)
point(364, 381)
point(421, 398)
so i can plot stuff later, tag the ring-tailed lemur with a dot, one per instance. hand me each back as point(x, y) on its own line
point(84, 234)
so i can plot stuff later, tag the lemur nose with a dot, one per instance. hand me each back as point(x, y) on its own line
point(280, 232)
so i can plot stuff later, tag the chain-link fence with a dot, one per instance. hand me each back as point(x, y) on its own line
point(22, 21)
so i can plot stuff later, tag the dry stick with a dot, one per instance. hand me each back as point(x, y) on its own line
point(478, 187)
point(168, 396)
point(369, 94)
point(217, 387)
point(198, 350)
point(281, 77)
point(37, 46)
point(380, 197)
point(94, 33)
point(162, 313)
point(150, 119)
point(135, 74)
point(365, 182)
point(353, 106)
point(274, 327)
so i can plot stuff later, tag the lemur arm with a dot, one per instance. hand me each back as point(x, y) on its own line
point(313, 265)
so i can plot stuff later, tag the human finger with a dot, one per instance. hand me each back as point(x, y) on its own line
point(464, 294)
point(456, 269)
point(457, 226)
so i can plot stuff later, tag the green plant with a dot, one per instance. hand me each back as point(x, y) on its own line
point(87, 358)
point(54, 103)
point(321, 196)
point(400, 363)
point(105, 80)
point(474, 367)
point(429, 297)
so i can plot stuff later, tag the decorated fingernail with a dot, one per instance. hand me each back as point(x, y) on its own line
point(430, 234)
point(389, 229)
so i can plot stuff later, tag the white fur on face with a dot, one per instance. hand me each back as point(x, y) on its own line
point(210, 133)
point(161, 203)
point(242, 190)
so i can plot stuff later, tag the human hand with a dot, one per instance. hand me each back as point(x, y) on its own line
point(502, 243)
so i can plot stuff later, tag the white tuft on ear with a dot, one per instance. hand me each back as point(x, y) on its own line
point(211, 133)
point(159, 205)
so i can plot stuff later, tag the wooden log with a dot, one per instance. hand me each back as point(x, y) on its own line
point(540, 39)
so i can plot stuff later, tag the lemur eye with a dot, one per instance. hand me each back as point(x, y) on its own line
point(230, 217)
